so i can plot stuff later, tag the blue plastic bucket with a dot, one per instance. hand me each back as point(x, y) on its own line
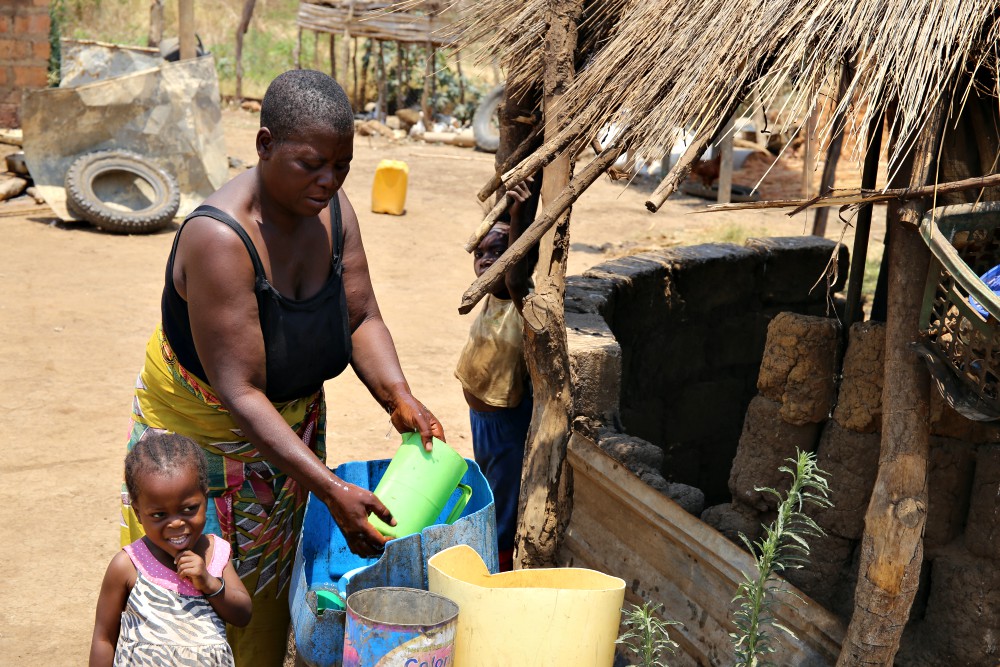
point(399, 626)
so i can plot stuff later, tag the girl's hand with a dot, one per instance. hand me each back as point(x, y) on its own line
point(409, 414)
point(350, 506)
point(519, 193)
point(192, 567)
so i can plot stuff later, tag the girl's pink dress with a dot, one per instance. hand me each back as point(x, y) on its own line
point(167, 621)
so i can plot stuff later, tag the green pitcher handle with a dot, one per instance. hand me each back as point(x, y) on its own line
point(460, 504)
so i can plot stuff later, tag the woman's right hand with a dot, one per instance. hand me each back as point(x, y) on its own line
point(350, 506)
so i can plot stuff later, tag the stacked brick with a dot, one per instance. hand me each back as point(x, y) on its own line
point(24, 53)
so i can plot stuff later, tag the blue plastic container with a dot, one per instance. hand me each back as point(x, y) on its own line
point(323, 558)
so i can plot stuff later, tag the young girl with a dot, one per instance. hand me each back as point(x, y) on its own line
point(166, 598)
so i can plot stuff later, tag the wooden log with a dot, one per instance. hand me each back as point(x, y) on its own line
point(12, 187)
point(241, 30)
point(892, 547)
point(544, 155)
point(551, 214)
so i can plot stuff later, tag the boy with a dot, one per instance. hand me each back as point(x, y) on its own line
point(495, 380)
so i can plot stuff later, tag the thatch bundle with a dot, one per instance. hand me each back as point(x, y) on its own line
point(656, 65)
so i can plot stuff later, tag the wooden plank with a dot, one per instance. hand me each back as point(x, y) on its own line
point(622, 526)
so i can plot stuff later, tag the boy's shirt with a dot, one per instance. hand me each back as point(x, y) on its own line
point(491, 366)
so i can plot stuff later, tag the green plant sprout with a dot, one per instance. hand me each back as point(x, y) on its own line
point(646, 635)
point(783, 547)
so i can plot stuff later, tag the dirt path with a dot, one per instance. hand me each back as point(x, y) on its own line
point(77, 307)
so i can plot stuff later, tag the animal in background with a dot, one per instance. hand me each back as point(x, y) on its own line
point(707, 171)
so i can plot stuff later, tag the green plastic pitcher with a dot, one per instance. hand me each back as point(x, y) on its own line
point(417, 485)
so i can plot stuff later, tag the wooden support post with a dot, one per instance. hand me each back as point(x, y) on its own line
point(315, 50)
point(461, 80)
point(834, 149)
point(366, 62)
point(725, 147)
point(400, 77)
point(892, 546)
point(545, 489)
point(809, 155)
point(333, 56)
point(185, 29)
point(354, 71)
point(383, 102)
point(155, 23)
point(862, 226)
point(425, 100)
point(298, 49)
point(348, 61)
point(241, 30)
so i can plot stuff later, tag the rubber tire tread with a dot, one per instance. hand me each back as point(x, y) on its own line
point(82, 201)
point(487, 139)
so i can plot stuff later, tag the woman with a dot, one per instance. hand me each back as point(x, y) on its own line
point(267, 295)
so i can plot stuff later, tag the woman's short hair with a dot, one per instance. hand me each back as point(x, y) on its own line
point(301, 98)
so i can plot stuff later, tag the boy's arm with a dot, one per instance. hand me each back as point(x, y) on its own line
point(522, 213)
point(233, 604)
point(118, 582)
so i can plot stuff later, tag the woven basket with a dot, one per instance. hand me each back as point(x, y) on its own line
point(961, 346)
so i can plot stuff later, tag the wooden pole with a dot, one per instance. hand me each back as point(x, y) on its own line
point(354, 70)
point(834, 149)
point(333, 56)
point(544, 500)
point(809, 158)
point(892, 546)
point(366, 62)
point(725, 147)
point(348, 61)
point(185, 30)
point(425, 100)
point(241, 30)
point(679, 172)
point(383, 102)
point(155, 23)
point(506, 162)
point(461, 81)
point(298, 49)
point(400, 78)
point(862, 226)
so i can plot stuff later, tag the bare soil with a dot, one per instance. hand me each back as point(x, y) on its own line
point(77, 306)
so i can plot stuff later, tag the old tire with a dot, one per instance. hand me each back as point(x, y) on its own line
point(121, 192)
point(484, 125)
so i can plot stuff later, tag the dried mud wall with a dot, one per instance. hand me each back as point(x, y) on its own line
point(684, 330)
point(956, 616)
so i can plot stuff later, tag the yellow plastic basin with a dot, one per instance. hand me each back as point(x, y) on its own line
point(556, 616)
point(389, 187)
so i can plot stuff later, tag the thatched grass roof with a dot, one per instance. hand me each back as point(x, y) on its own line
point(655, 65)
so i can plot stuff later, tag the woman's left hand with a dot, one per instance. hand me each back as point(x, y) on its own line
point(409, 414)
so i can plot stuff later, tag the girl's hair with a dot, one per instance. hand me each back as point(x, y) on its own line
point(162, 452)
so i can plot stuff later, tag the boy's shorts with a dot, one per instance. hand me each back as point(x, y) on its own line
point(498, 445)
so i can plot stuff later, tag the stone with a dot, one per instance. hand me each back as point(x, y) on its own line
point(859, 402)
point(800, 365)
point(691, 499)
point(765, 445)
point(734, 519)
point(595, 362)
point(850, 461)
point(823, 577)
point(636, 454)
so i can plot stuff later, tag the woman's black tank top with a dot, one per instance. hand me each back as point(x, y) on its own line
point(305, 341)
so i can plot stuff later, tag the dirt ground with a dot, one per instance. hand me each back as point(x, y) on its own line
point(77, 306)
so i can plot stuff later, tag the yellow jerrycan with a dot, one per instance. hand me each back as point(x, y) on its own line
point(548, 616)
point(389, 187)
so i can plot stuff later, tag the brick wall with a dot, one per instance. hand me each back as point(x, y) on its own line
point(24, 53)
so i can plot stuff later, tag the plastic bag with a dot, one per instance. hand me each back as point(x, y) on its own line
point(492, 366)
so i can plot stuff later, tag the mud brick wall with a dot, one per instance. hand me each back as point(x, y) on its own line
point(24, 53)
point(688, 326)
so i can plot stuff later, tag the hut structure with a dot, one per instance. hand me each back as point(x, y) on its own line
point(921, 73)
point(380, 21)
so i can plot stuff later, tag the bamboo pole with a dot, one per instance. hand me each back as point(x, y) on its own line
point(550, 215)
point(524, 148)
point(241, 30)
point(892, 546)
